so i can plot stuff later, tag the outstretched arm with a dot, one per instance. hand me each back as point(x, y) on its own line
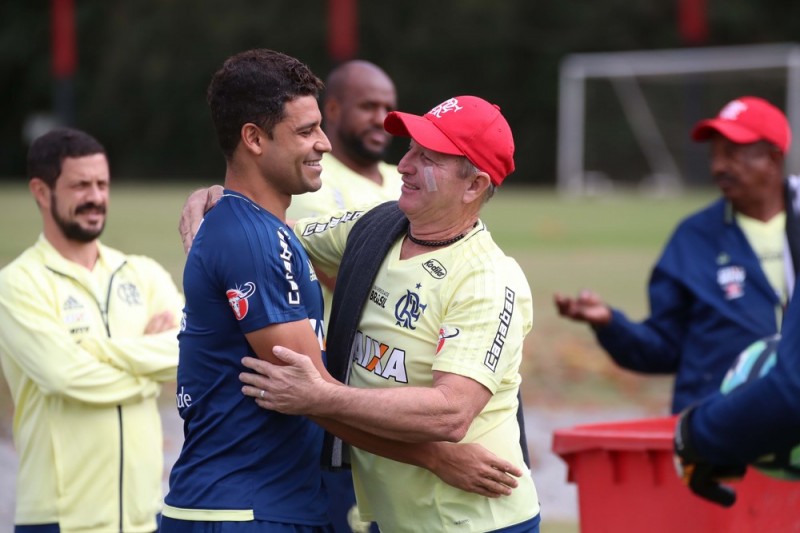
point(586, 307)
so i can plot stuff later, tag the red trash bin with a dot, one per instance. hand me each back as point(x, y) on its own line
point(627, 483)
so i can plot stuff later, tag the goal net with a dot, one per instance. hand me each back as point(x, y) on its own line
point(625, 117)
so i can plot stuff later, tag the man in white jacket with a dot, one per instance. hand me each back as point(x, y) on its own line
point(87, 336)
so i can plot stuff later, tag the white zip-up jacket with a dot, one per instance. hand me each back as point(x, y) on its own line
point(84, 379)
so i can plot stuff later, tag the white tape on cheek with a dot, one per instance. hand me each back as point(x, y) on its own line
point(430, 181)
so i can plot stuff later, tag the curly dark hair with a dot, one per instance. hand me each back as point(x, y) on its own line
point(253, 86)
point(47, 153)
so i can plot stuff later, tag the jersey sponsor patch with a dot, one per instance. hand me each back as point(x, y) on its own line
point(378, 296)
point(238, 299)
point(293, 294)
point(444, 334)
point(434, 268)
point(319, 227)
point(731, 280)
point(379, 358)
point(493, 354)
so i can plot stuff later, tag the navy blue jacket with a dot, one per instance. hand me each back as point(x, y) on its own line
point(709, 299)
point(759, 418)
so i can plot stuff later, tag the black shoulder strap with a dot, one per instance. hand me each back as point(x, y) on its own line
point(369, 241)
point(367, 245)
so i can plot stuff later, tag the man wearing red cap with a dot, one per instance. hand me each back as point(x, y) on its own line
point(727, 272)
point(432, 315)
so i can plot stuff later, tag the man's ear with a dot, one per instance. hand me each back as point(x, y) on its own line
point(777, 158)
point(480, 182)
point(40, 191)
point(331, 110)
point(252, 138)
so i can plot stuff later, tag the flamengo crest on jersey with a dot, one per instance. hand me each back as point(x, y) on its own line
point(408, 309)
point(237, 298)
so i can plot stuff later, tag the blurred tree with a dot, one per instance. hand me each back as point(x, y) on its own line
point(144, 66)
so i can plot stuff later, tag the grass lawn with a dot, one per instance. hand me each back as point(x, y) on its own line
point(606, 244)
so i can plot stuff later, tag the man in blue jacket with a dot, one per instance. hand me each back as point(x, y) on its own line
point(726, 274)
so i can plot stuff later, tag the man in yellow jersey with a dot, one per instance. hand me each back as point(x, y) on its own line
point(87, 336)
point(358, 96)
point(427, 327)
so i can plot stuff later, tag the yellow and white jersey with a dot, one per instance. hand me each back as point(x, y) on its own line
point(84, 379)
point(342, 188)
point(464, 309)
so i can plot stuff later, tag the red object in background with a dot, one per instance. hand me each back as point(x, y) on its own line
point(64, 49)
point(627, 483)
point(342, 29)
point(693, 21)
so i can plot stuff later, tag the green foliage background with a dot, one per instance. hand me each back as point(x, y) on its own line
point(144, 66)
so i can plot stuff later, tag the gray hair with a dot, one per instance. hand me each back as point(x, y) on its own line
point(467, 170)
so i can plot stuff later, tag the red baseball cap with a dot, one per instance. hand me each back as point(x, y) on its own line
point(464, 125)
point(746, 120)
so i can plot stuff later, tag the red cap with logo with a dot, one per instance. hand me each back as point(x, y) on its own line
point(747, 120)
point(464, 125)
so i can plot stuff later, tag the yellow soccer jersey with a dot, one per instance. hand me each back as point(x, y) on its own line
point(343, 188)
point(464, 309)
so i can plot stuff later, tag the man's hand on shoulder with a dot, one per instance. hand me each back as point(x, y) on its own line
point(196, 206)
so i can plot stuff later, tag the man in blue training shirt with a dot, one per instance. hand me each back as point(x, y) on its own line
point(249, 285)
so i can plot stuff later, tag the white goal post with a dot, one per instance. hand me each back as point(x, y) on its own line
point(625, 71)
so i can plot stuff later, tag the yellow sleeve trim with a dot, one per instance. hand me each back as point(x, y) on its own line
point(208, 515)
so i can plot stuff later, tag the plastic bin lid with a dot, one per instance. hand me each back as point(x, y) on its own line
point(642, 434)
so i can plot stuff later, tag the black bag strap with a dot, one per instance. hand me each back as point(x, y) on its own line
point(367, 245)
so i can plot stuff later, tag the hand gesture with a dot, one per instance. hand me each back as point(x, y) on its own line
point(586, 307)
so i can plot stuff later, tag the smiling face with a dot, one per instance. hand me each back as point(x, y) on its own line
point(747, 175)
point(79, 199)
point(442, 194)
point(293, 150)
point(355, 114)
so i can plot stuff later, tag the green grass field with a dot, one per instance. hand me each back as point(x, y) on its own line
point(606, 244)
